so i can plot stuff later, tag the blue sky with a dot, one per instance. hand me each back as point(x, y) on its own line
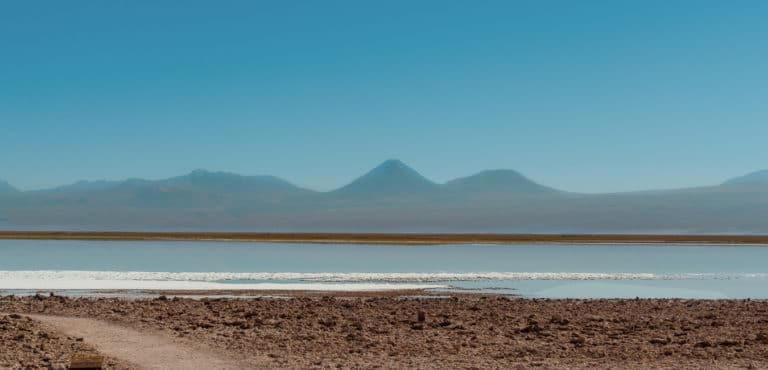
point(585, 96)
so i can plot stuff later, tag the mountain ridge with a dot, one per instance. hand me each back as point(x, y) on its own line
point(195, 178)
point(494, 180)
point(497, 181)
point(753, 178)
point(6, 188)
point(392, 197)
point(221, 180)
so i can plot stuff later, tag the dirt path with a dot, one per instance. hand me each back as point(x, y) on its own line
point(145, 350)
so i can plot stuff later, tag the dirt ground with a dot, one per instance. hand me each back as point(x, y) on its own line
point(316, 331)
point(31, 344)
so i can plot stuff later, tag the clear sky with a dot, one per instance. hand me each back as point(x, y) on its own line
point(581, 95)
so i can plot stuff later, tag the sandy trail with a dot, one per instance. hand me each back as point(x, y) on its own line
point(145, 350)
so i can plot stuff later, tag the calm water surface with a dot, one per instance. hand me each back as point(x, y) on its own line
point(530, 270)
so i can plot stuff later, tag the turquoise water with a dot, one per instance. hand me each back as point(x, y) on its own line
point(555, 271)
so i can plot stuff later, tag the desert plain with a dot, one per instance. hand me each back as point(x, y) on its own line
point(322, 330)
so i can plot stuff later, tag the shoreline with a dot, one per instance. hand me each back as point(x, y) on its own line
point(391, 239)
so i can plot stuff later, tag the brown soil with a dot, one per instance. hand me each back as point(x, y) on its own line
point(30, 344)
point(144, 348)
point(461, 332)
point(360, 238)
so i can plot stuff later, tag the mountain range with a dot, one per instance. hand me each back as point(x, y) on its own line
point(392, 197)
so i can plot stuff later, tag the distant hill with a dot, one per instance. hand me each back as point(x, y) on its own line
point(497, 182)
point(6, 188)
point(224, 182)
point(754, 178)
point(390, 178)
point(199, 189)
point(82, 186)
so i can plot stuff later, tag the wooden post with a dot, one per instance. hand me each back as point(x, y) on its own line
point(86, 362)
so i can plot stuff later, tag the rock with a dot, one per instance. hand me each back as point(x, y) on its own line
point(204, 325)
point(327, 323)
point(661, 341)
point(559, 320)
point(421, 316)
point(532, 327)
point(762, 338)
point(578, 340)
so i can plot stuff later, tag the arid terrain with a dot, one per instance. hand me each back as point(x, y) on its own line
point(393, 331)
point(28, 343)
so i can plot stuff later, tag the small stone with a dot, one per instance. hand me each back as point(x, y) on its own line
point(660, 341)
point(762, 338)
point(421, 316)
point(532, 327)
point(578, 340)
point(559, 320)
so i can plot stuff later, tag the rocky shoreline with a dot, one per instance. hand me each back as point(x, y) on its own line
point(390, 331)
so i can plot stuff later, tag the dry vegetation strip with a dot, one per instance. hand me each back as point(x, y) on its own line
point(384, 238)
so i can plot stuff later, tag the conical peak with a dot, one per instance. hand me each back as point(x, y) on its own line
point(390, 177)
point(394, 168)
point(392, 165)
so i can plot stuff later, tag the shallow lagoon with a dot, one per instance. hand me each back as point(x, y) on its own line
point(542, 270)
